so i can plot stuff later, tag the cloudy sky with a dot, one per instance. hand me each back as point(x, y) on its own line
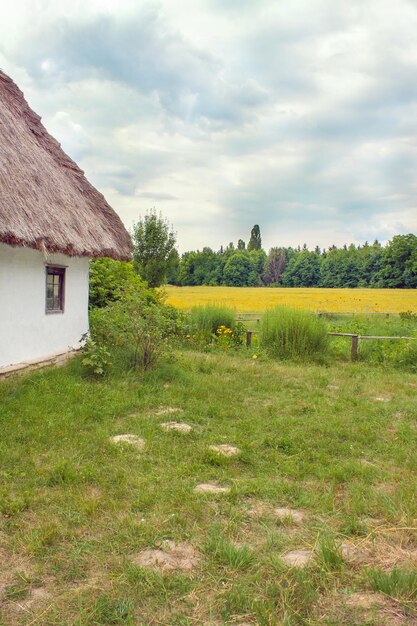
point(298, 115)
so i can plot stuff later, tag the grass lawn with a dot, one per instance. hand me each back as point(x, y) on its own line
point(81, 516)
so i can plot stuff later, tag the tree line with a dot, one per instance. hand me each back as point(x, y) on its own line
point(369, 265)
point(156, 261)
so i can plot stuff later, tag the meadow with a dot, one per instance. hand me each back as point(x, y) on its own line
point(94, 532)
point(257, 299)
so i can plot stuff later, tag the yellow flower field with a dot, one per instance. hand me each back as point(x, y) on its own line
point(247, 299)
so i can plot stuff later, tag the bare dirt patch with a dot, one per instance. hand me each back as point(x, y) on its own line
point(363, 607)
point(290, 516)
point(225, 449)
point(36, 595)
point(380, 553)
point(211, 488)
point(168, 410)
point(298, 558)
point(170, 556)
point(129, 439)
point(179, 427)
point(259, 509)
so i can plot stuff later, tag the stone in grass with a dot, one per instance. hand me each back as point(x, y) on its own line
point(297, 558)
point(291, 515)
point(170, 556)
point(224, 449)
point(177, 426)
point(211, 488)
point(131, 440)
point(364, 600)
point(168, 410)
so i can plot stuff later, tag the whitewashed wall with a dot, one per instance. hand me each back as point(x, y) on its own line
point(27, 333)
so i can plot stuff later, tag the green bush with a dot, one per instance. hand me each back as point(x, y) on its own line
point(140, 324)
point(110, 279)
point(293, 334)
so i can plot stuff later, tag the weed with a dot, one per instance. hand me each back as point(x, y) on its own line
point(229, 554)
point(109, 610)
point(289, 334)
point(206, 320)
point(398, 583)
point(330, 554)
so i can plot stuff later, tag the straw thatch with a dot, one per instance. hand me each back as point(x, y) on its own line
point(46, 202)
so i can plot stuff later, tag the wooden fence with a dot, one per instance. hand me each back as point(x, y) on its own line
point(354, 340)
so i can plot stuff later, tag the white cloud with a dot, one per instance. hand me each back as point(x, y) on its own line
point(299, 116)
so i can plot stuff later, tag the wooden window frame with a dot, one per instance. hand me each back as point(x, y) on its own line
point(55, 270)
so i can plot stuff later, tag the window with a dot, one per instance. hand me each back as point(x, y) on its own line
point(55, 278)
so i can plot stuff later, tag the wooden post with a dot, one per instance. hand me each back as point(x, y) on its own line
point(354, 349)
point(248, 338)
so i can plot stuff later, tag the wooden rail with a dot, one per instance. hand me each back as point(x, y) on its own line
point(354, 338)
point(355, 341)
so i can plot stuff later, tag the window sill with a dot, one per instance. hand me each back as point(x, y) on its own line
point(54, 312)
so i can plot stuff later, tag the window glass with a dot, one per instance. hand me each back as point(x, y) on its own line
point(55, 277)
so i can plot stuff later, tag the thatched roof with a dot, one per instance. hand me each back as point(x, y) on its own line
point(45, 200)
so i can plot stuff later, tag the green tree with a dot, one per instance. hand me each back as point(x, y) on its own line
point(303, 270)
point(256, 263)
point(400, 262)
point(173, 268)
point(236, 270)
point(109, 280)
point(255, 242)
point(154, 241)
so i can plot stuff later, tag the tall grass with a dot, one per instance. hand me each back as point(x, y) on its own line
point(397, 584)
point(207, 319)
point(293, 334)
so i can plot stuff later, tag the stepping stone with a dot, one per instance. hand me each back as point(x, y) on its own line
point(178, 426)
point(131, 440)
point(224, 449)
point(351, 552)
point(365, 600)
point(168, 410)
point(170, 556)
point(291, 515)
point(382, 399)
point(211, 488)
point(298, 558)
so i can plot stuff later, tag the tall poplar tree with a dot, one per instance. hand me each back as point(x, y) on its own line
point(255, 242)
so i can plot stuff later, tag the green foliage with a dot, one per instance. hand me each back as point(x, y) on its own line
point(236, 270)
point(139, 323)
point(154, 242)
point(398, 583)
point(290, 333)
point(207, 319)
point(96, 357)
point(109, 280)
point(255, 241)
point(394, 265)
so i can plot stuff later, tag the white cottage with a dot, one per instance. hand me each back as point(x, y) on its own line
point(51, 222)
